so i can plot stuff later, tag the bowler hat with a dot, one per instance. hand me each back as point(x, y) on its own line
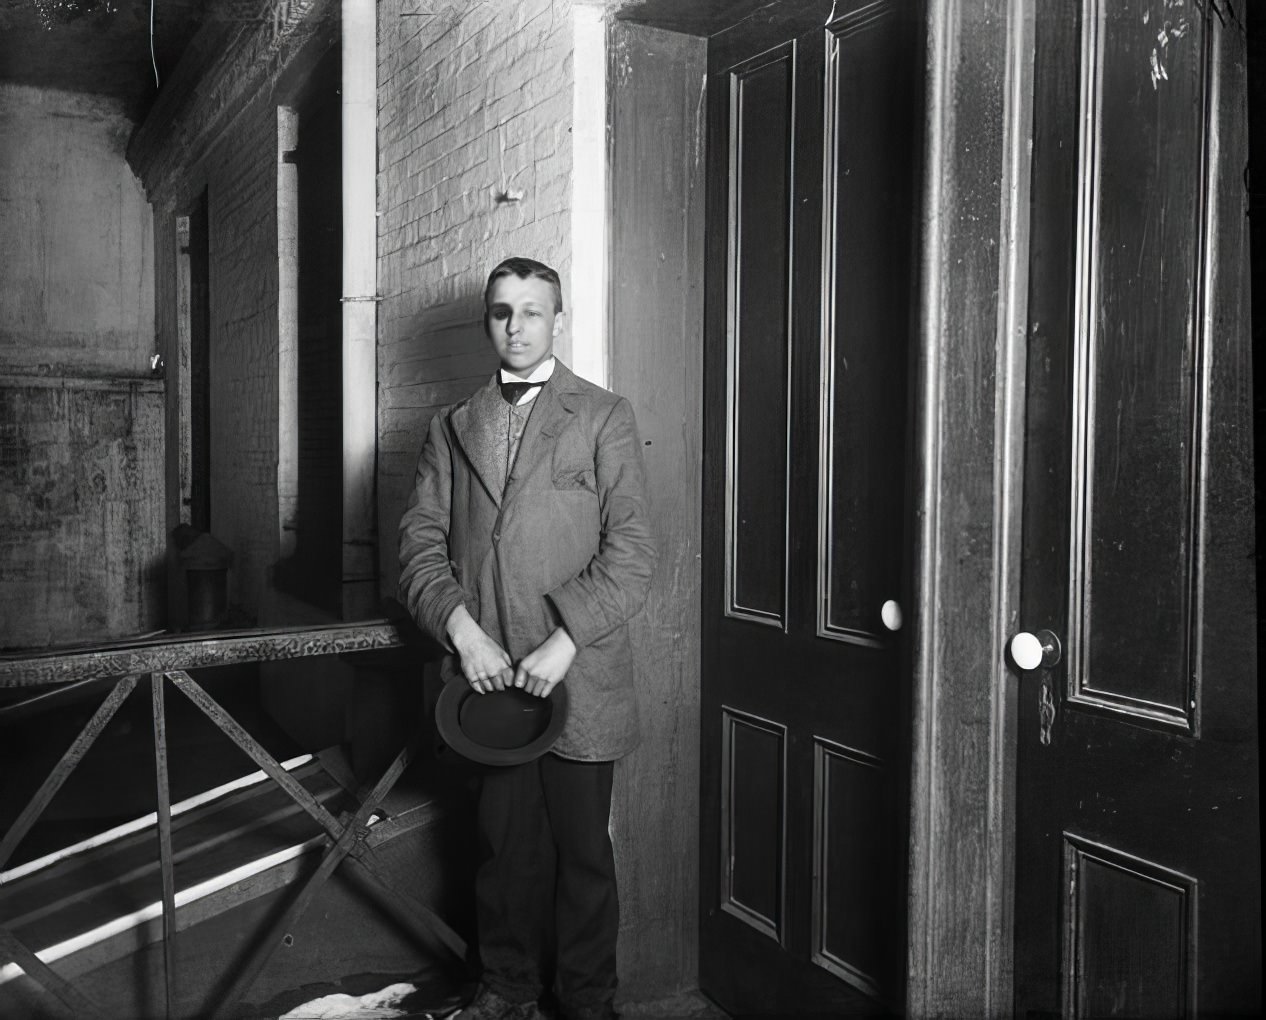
point(501, 728)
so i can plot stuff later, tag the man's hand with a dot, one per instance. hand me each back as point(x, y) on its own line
point(484, 662)
point(541, 669)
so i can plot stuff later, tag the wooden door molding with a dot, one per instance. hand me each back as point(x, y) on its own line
point(970, 375)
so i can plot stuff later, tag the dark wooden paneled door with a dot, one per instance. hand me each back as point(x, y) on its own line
point(809, 296)
point(1137, 853)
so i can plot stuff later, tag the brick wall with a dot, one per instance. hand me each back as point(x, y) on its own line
point(474, 155)
point(228, 146)
point(81, 441)
point(240, 176)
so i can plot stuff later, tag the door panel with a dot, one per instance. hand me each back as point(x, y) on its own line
point(759, 259)
point(808, 328)
point(1137, 367)
point(1137, 759)
point(753, 788)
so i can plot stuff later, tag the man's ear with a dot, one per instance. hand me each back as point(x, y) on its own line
point(560, 322)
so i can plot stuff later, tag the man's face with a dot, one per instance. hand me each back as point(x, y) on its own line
point(521, 322)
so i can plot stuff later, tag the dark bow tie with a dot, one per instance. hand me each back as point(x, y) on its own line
point(512, 391)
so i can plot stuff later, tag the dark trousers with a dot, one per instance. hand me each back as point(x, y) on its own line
point(545, 890)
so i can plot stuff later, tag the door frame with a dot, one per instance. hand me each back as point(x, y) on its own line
point(969, 408)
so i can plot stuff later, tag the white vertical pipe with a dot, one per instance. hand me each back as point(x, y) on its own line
point(590, 357)
point(360, 234)
point(287, 332)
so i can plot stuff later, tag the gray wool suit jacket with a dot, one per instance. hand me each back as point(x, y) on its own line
point(566, 541)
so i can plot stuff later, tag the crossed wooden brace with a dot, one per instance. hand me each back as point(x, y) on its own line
point(347, 841)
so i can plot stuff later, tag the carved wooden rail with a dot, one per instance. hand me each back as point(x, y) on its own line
point(166, 660)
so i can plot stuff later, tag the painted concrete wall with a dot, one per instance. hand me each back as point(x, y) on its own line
point(474, 109)
point(76, 258)
point(81, 439)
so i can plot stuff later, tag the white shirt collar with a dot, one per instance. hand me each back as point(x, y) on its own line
point(539, 374)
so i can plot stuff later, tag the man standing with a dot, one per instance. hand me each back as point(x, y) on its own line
point(525, 549)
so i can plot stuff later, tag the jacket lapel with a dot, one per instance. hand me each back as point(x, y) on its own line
point(554, 409)
point(474, 425)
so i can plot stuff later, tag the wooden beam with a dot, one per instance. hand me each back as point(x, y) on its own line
point(74, 754)
point(79, 1004)
point(232, 729)
point(182, 652)
point(166, 865)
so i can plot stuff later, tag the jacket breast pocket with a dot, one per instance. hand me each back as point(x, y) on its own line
point(577, 477)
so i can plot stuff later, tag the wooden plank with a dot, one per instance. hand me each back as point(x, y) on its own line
point(656, 304)
point(969, 401)
point(74, 754)
point(118, 383)
point(234, 731)
point(164, 839)
point(167, 653)
point(80, 1005)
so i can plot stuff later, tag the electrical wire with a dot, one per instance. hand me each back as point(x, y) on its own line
point(152, 59)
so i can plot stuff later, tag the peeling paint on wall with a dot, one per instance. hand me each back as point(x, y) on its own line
point(81, 487)
point(1170, 30)
point(81, 438)
point(76, 244)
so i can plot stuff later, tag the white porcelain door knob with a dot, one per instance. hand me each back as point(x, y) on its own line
point(890, 614)
point(1034, 651)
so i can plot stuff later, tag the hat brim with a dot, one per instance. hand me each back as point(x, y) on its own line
point(507, 727)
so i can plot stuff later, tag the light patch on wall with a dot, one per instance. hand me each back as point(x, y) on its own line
point(589, 354)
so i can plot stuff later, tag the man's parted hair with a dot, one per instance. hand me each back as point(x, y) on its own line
point(526, 269)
